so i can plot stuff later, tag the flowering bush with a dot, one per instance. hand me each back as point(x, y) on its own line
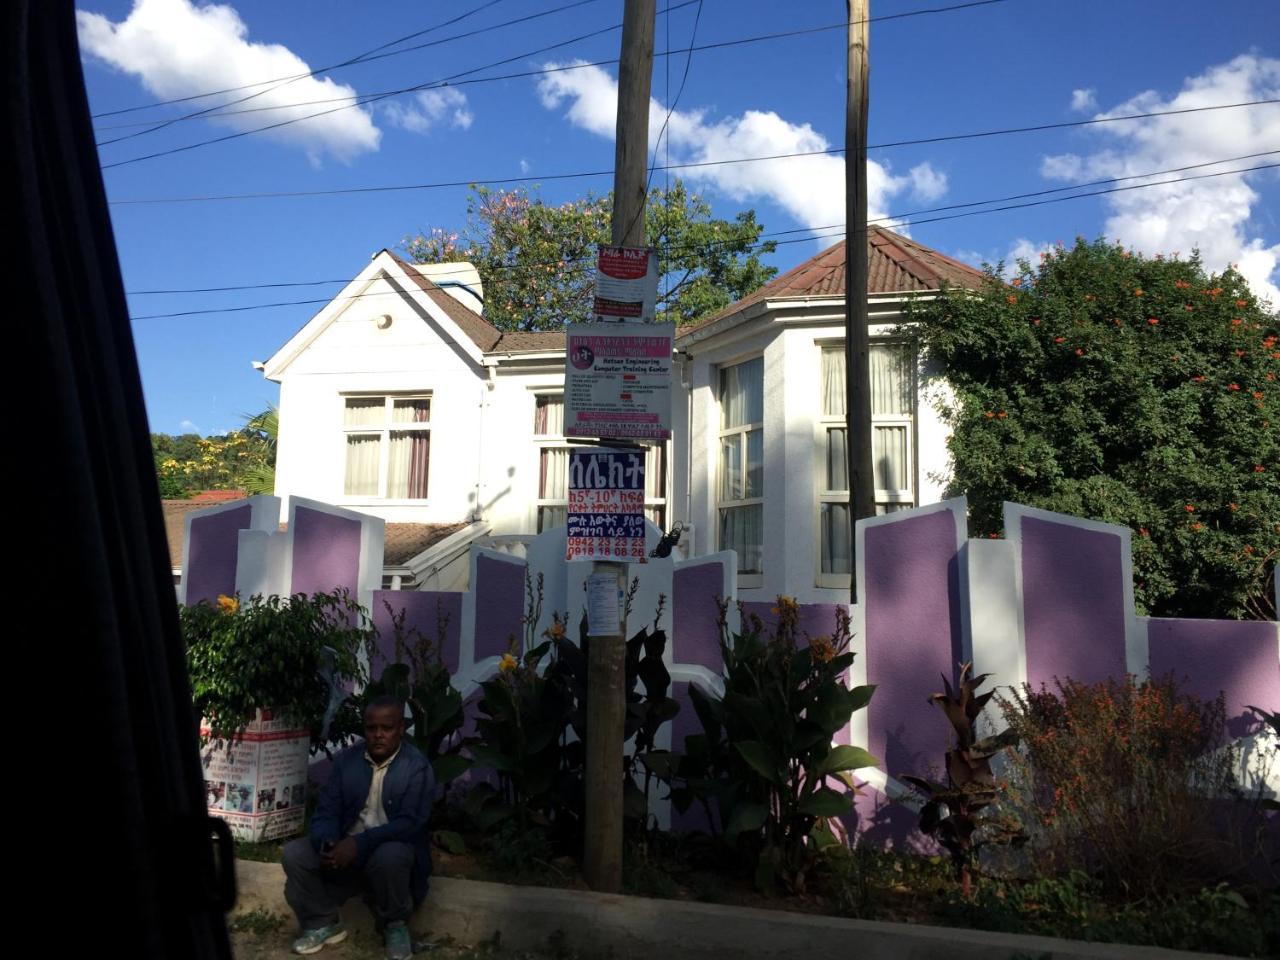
point(1120, 780)
point(1129, 390)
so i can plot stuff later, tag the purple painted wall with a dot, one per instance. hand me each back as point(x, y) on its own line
point(1237, 658)
point(1073, 602)
point(326, 552)
point(499, 589)
point(422, 612)
point(212, 553)
point(696, 633)
point(912, 603)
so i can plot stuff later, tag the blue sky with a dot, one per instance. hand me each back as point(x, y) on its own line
point(1006, 64)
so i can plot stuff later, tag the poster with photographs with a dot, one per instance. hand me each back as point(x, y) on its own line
point(258, 782)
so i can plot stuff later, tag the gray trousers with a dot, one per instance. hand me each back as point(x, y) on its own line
point(316, 893)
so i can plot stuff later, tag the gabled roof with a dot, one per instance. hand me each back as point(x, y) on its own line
point(479, 330)
point(895, 264)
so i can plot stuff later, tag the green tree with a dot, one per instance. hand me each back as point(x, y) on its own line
point(242, 460)
point(1131, 390)
point(537, 260)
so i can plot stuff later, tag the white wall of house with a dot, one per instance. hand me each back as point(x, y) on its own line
point(354, 355)
point(790, 338)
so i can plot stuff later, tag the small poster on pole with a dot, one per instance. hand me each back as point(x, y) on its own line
point(606, 505)
point(617, 382)
point(626, 284)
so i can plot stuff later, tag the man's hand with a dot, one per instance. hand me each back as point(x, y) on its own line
point(341, 855)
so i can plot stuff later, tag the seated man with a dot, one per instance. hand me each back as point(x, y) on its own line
point(369, 833)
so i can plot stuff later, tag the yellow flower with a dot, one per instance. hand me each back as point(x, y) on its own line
point(556, 630)
point(228, 604)
point(822, 649)
point(507, 663)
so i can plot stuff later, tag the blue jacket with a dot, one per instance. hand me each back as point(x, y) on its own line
point(407, 790)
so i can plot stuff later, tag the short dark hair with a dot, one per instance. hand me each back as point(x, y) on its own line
point(383, 701)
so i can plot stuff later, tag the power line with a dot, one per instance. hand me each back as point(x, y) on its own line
point(311, 73)
point(753, 246)
point(347, 103)
point(366, 58)
point(218, 110)
point(358, 101)
point(690, 165)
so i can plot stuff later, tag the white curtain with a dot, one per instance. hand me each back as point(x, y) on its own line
point(742, 529)
point(655, 472)
point(549, 517)
point(892, 382)
point(731, 485)
point(548, 416)
point(365, 411)
point(411, 410)
point(407, 460)
point(837, 459)
point(363, 457)
point(889, 457)
point(742, 393)
point(553, 474)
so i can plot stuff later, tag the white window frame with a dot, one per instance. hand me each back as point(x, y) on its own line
point(655, 507)
point(383, 431)
point(746, 578)
point(885, 499)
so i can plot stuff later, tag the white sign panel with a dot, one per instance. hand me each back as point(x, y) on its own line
point(617, 381)
point(626, 284)
point(606, 505)
point(258, 782)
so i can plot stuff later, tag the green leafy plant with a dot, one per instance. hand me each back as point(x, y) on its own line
point(285, 654)
point(765, 761)
point(961, 814)
point(1134, 390)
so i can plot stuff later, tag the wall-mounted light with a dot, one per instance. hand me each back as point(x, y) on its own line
point(383, 321)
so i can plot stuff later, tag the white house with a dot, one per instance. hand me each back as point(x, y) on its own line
point(400, 400)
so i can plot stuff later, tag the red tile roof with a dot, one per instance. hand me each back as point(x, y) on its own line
point(895, 264)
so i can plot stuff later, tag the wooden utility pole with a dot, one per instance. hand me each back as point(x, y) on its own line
point(606, 656)
point(857, 349)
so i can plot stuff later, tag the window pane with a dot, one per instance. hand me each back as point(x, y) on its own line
point(883, 508)
point(834, 522)
point(657, 516)
point(655, 472)
point(363, 457)
point(548, 416)
point(407, 464)
point(731, 468)
point(742, 529)
point(889, 458)
point(892, 379)
point(755, 463)
point(742, 393)
point(549, 517)
point(365, 411)
point(833, 385)
point(837, 460)
point(553, 473)
point(411, 410)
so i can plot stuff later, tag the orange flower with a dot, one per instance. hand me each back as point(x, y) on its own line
point(1234, 507)
point(1257, 394)
point(989, 415)
point(1242, 303)
point(1259, 468)
point(1248, 549)
point(1236, 322)
point(1152, 320)
point(1002, 415)
point(1239, 353)
point(1035, 321)
point(1059, 339)
point(1191, 508)
point(1079, 352)
point(1137, 292)
point(1011, 298)
point(227, 604)
point(1176, 358)
point(1234, 386)
point(1017, 281)
point(1197, 526)
point(1199, 379)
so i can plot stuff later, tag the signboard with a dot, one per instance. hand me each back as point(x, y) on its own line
point(604, 605)
point(617, 382)
point(606, 505)
point(626, 284)
point(258, 782)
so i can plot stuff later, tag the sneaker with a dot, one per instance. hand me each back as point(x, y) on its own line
point(396, 937)
point(313, 941)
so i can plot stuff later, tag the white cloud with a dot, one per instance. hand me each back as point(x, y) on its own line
point(178, 49)
point(188, 426)
point(429, 108)
point(809, 188)
point(1212, 215)
point(1020, 249)
point(1084, 101)
point(524, 165)
point(927, 183)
